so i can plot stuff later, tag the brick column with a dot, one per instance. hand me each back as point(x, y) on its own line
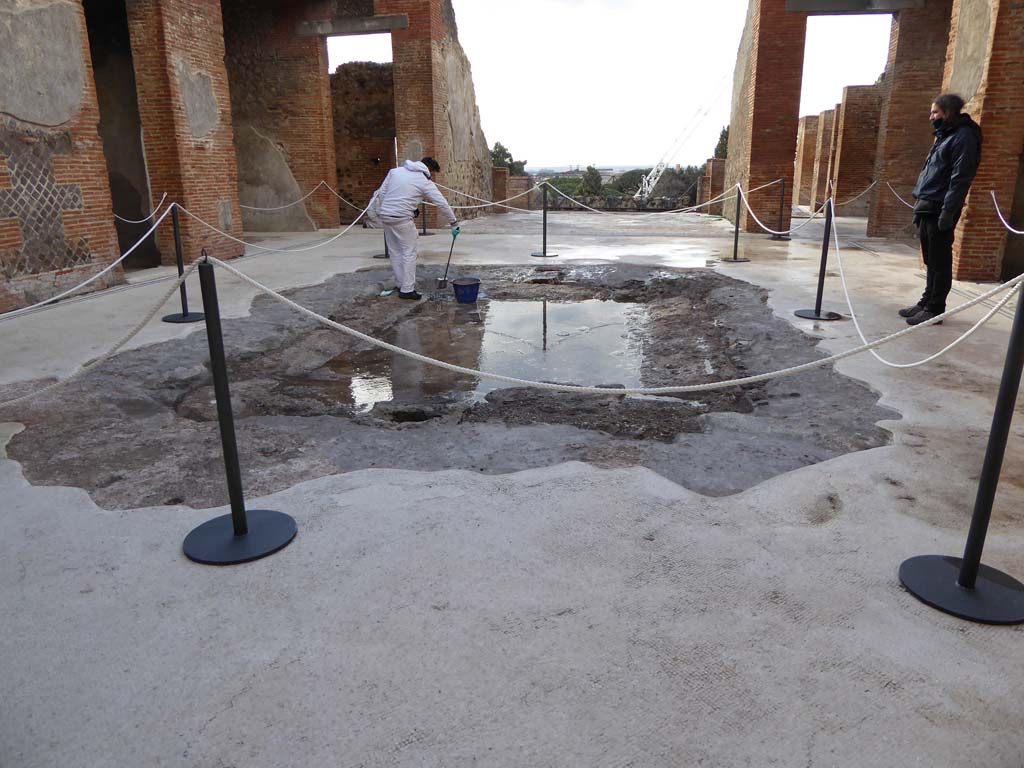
point(178, 54)
point(766, 105)
point(499, 182)
point(853, 167)
point(803, 167)
point(716, 174)
point(703, 184)
point(997, 105)
point(913, 77)
point(822, 159)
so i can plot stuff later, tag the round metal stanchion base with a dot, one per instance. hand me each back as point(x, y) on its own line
point(740, 260)
point(181, 317)
point(382, 256)
point(996, 598)
point(542, 255)
point(810, 314)
point(427, 234)
point(780, 238)
point(214, 542)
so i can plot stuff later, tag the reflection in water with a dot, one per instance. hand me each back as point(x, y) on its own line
point(587, 342)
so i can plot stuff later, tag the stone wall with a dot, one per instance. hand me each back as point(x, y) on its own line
point(716, 174)
point(853, 167)
point(281, 109)
point(364, 130)
point(499, 188)
point(56, 226)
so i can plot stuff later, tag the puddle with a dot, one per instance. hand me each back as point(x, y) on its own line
point(592, 341)
point(672, 254)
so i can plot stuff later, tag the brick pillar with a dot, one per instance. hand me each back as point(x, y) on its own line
point(281, 107)
point(853, 166)
point(178, 54)
point(703, 185)
point(499, 182)
point(765, 107)
point(716, 174)
point(992, 82)
point(913, 77)
point(803, 167)
point(822, 159)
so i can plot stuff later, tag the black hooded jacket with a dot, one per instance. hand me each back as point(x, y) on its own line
point(949, 170)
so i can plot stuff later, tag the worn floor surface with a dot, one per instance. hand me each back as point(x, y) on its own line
point(564, 615)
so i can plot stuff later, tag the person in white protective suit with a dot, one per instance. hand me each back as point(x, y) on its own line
point(396, 204)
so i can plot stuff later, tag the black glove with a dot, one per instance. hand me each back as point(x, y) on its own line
point(917, 219)
point(947, 220)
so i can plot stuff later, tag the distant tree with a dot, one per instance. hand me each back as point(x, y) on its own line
point(722, 149)
point(629, 182)
point(501, 157)
point(591, 182)
point(679, 184)
point(570, 185)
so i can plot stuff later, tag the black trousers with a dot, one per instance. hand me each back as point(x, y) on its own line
point(937, 250)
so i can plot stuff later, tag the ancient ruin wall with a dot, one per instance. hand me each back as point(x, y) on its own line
point(807, 136)
point(56, 223)
point(281, 110)
point(363, 97)
point(856, 139)
point(460, 137)
point(740, 123)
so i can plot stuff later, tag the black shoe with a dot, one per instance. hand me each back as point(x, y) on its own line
point(411, 295)
point(923, 316)
point(910, 311)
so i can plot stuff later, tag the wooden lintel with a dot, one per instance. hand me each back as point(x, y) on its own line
point(352, 25)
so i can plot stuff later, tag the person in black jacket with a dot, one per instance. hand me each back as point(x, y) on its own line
point(941, 190)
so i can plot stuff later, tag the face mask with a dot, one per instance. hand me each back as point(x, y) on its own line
point(937, 123)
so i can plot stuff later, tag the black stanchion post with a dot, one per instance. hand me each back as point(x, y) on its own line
point(963, 586)
point(817, 313)
point(184, 316)
point(736, 234)
point(241, 536)
point(543, 253)
point(782, 210)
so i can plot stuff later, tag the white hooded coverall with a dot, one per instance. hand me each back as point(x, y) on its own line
point(397, 202)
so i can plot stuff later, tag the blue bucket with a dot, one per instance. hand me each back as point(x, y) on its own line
point(466, 289)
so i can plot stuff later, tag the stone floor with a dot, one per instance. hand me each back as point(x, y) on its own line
point(564, 615)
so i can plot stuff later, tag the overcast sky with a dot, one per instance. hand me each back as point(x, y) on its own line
point(618, 82)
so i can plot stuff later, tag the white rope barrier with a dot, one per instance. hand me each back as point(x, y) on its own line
point(721, 198)
point(267, 248)
point(776, 232)
point(286, 205)
point(1001, 217)
point(97, 276)
point(867, 346)
point(963, 337)
point(858, 197)
point(147, 218)
point(131, 334)
point(893, 190)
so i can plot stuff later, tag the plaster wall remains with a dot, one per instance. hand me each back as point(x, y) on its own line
point(856, 133)
point(363, 98)
point(55, 223)
point(282, 114)
point(703, 184)
point(519, 185)
point(737, 165)
point(499, 188)
point(803, 168)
